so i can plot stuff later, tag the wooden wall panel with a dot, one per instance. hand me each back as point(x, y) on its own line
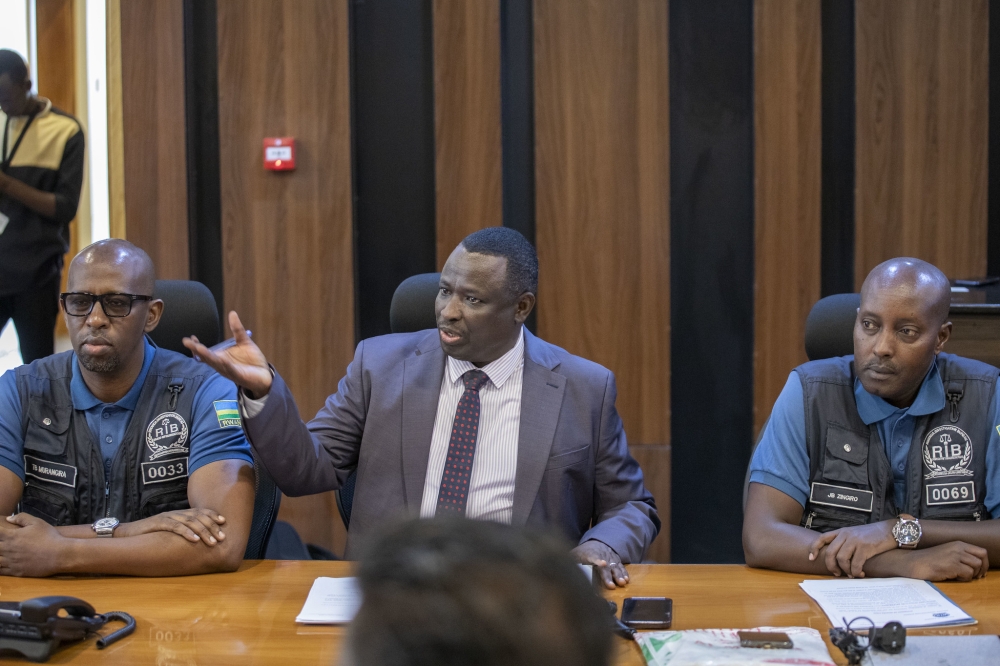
point(55, 70)
point(154, 155)
point(287, 237)
point(787, 156)
point(602, 183)
point(55, 77)
point(922, 124)
point(467, 120)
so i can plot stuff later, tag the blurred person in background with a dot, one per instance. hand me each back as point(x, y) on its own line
point(41, 173)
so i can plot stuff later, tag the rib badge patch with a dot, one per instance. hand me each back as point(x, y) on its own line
point(228, 413)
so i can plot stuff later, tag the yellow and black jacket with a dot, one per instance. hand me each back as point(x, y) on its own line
point(49, 158)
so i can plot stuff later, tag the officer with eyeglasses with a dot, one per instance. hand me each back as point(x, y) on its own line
point(119, 457)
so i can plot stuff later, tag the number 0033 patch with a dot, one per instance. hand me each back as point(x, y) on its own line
point(950, 493)
point(158, 472)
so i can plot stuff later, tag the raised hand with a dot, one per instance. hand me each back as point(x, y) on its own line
point(242, 362)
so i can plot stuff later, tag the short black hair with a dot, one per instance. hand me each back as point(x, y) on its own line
point(451, 591)
point(12, 64)
point(522, 259)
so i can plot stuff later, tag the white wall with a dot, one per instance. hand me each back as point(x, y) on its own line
point(97, 119)
point(14, 26)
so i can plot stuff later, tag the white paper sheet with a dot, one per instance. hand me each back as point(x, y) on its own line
point(914, 603)
point(331, 601)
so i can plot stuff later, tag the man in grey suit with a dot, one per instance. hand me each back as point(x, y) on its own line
point(478, 417)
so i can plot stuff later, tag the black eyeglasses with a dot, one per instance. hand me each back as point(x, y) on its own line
point(115, 305)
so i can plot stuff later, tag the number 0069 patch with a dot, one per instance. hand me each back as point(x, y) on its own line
point(158, 472)
point(950, 493)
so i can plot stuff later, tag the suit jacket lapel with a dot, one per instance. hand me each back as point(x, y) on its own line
point(422, 373)
point(541, 399)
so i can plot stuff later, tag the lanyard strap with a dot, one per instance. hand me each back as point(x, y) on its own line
point(17, 144)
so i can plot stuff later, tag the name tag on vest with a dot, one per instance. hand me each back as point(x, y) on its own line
point(64, 475)
point(158, 472)
point(844, 498)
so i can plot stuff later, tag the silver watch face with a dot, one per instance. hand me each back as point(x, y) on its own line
point(106, 524)
point(907, 531)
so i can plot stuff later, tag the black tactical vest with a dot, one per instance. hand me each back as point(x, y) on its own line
point(850, 475)
point(65, 481)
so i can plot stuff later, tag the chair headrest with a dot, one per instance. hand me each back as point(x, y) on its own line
point(412, 307)
point(830, 326)
point(188, 309)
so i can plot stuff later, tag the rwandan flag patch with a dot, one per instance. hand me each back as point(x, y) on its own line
point(228, 413)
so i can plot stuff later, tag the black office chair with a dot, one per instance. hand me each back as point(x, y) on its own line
point(412, 309)
point(829, 333)
point(189, 308)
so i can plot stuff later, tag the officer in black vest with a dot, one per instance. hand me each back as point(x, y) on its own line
point(887, 462)
point(122, 458)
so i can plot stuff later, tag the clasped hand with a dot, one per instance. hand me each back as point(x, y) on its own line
point(29, 546)
point(845, 552)
point(847, 549)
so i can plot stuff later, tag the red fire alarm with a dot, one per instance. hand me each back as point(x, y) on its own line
point(279, 153)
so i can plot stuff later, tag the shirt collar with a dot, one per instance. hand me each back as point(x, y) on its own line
point(930, 399)
point(45, 110)
point(499, 371)
point(83, 399)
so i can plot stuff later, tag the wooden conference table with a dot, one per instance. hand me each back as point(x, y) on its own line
point(248, 617)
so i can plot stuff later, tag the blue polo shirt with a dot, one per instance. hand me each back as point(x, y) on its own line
point(108, 421)
point(782, 459)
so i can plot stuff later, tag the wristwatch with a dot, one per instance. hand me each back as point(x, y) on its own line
point(105, 527)
point(907, 531)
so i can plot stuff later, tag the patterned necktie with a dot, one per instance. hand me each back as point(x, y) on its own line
point(458, 467)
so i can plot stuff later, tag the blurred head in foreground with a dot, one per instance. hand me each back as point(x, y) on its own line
point(445, 592)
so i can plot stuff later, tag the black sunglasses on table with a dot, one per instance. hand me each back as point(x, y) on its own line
point(79, 304)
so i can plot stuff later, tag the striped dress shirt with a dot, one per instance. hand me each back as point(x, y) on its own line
point(491, 487)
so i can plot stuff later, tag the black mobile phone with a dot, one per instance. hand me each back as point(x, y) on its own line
point(647, 612)
point(765, 639)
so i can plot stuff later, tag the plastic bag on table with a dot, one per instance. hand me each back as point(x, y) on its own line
point(721, 647)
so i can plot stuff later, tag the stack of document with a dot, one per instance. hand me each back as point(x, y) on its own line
point(331, 601)
point(912, 603)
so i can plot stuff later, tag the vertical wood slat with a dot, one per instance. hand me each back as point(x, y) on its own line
point(602, 188)
point(55, 78)
point(787, 199)
point(922, 129)
point(287, 237)
point(154, 154)
point(55, 70)
point(467, 120)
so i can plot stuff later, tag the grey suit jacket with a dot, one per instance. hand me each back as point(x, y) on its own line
point(574, 471)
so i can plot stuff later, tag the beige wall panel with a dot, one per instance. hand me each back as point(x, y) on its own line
point(467, 119)
point(602, 188)
point(152, 113)
point(287, 237)
point(787, 189)
point(922, 130)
